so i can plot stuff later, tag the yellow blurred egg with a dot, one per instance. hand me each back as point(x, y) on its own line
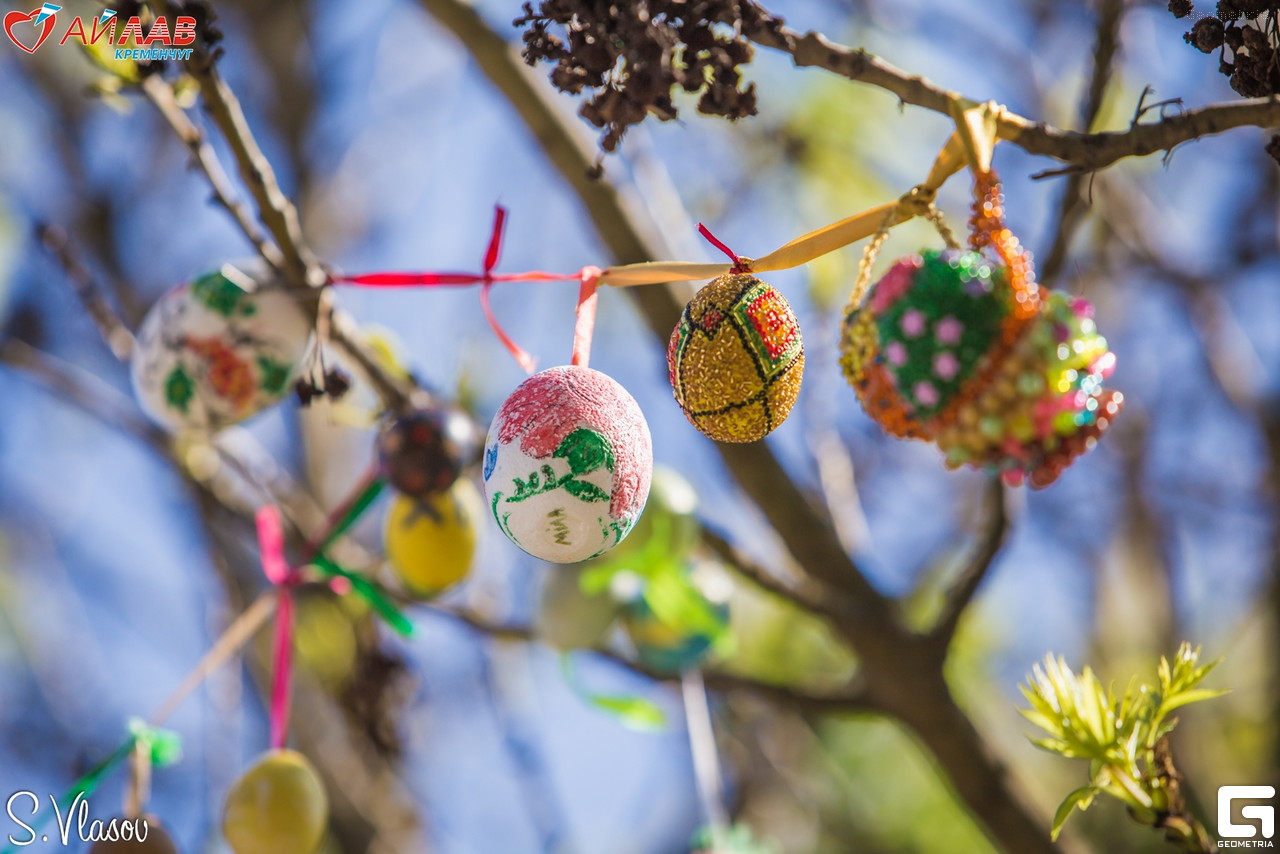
point(736, 359)
point(431, 541)
point(277, 807)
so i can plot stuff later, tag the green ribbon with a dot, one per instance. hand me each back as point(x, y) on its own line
point(163, 748)
point(370, 592)
point(632, 712)
point(351, 515)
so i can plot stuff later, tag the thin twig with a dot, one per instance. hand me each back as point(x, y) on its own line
point(160, 93)
point(803, 596)
point(277, 212)
point(961, 593)
point(233, 638)
point(115, 334)
point(1070, 209)
point(86, 391)
point(1084, 151)
point(852, 699)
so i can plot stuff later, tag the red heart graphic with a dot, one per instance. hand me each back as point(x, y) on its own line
point(14, 18)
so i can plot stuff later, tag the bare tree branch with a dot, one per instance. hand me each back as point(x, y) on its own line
point(957, 599)
point(1082, 150)
point(161, 95)
point(275, 209)
point(86, 391)
point(806, 596)
point(852, 699)
point(1070, 208)
point(115, 334)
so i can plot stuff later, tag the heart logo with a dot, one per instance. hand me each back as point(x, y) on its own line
point(12, 19)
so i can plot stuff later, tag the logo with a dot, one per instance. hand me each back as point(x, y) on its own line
point(1234, 834)
point(30, 30)
point(46, 15)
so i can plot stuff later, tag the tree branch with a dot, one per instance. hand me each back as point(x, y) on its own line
point(161, 95)
point(806, 596)
point(979, 564)
point(275, 209)
point(86, 391)
point(1070, 210)
point(115, 334)
point(1084, 151)
point(852, 699)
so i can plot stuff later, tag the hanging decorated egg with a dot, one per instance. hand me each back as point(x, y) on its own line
point(668, 646)
point(431, 542)
point(1045, 403)
point(567, 464)
point(952, 347)
point(678, 614)
point(277, 807)
point(423, 451)
point(570, 617)
point(214, 351)
point(150, 838)
point(736, 359)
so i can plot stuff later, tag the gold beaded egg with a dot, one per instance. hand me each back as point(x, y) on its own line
point(736, 359)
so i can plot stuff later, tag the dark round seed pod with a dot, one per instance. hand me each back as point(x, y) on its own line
point(423, 451)
point(1207, 35)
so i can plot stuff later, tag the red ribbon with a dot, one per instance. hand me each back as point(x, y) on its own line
point(585, 325)
point(739, 265)
point(276, 568)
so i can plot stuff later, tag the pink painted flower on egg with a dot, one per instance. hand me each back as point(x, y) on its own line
point(946, 365)
point(896, 353)
point(552, 404)
point(948, 330)
point(913, 323)
point(925, 393)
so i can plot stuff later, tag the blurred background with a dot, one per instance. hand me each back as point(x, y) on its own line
point(114, 579)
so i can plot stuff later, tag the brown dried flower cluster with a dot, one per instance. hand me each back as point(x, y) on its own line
point(632, 56)
point(1245, 31)
point(1247, 35)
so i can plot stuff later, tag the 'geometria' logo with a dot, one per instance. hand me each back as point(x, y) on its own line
point(1235, 835)
point(30, 30)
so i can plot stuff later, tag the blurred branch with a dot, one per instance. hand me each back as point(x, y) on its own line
point(995, 529)
point(118, 338)
point(805, 595)
point(1070, 209)
point(161, 95)
point(853, 699)
point(86, 391)
point(295, 260)
point(275, 209)
point(1084, 151)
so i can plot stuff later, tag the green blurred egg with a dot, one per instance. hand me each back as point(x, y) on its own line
point(670, 515)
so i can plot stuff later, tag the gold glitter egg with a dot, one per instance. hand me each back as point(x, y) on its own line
point(736, 359)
